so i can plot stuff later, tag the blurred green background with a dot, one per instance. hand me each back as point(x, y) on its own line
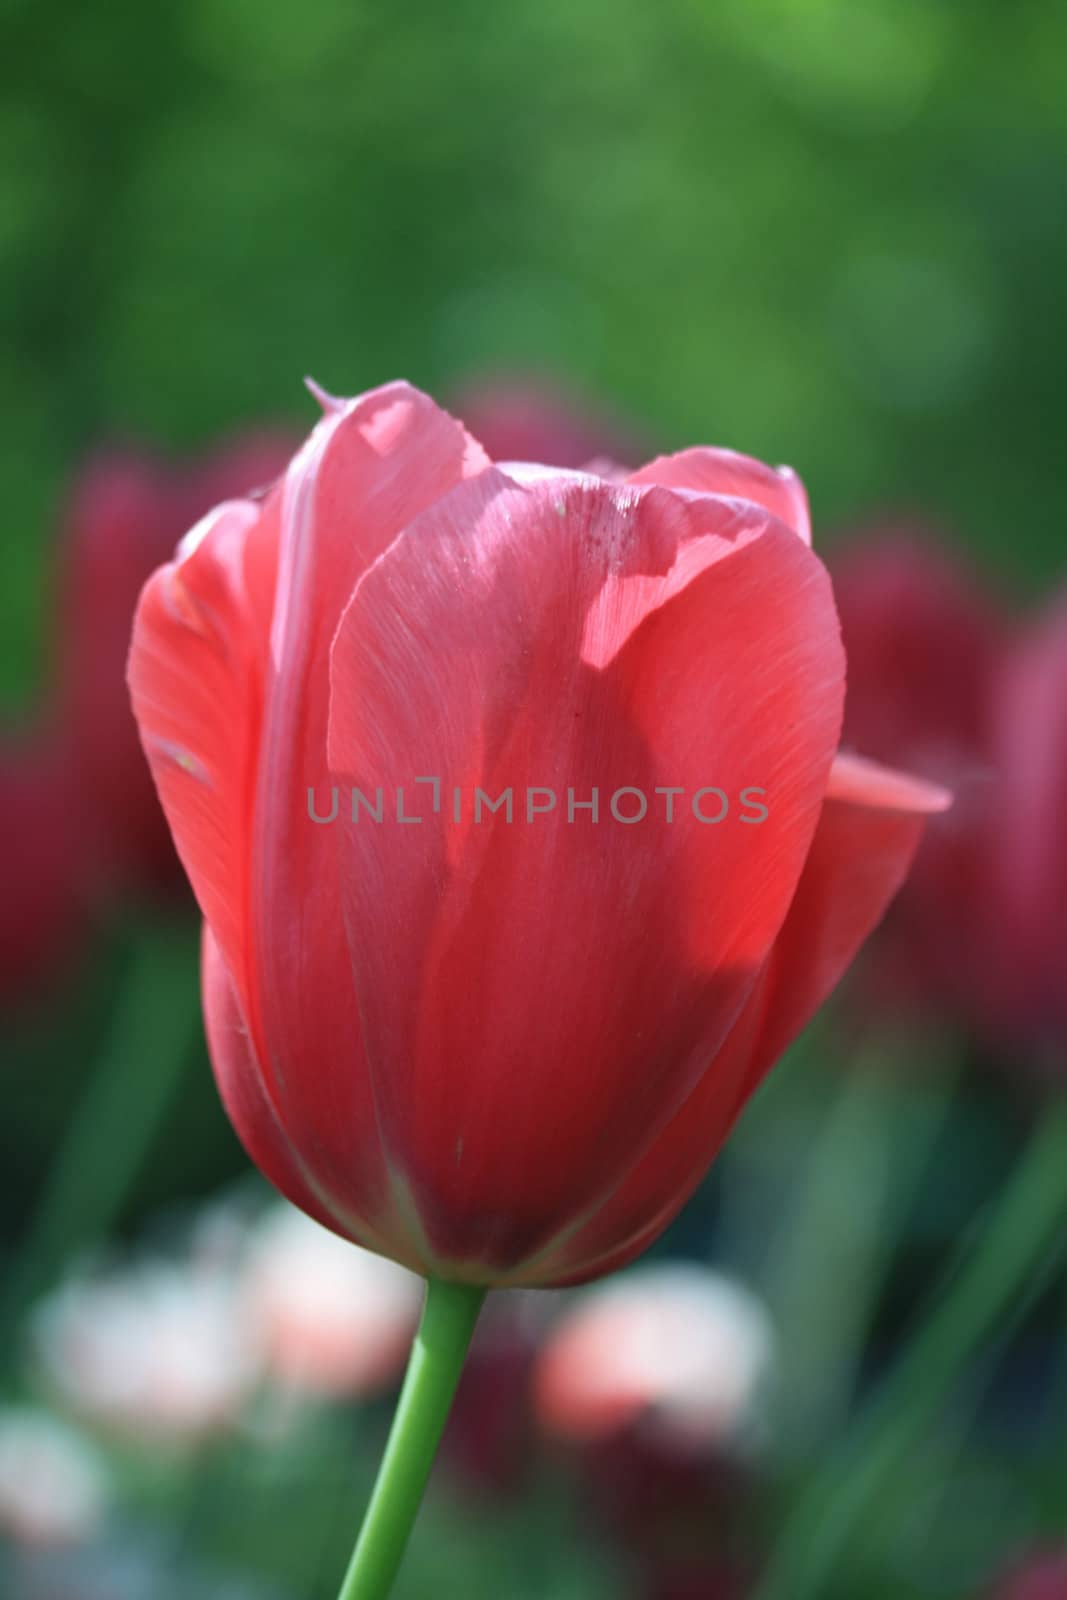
point(825, 232)
point(822, 232)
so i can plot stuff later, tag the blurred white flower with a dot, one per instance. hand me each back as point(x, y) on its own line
point(676, 1348)
point(332, 1319)
point(53, 1485)
point(157, 1352)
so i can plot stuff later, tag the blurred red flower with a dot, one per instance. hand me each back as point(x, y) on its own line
point(698, 1583)
point(672, 1348)
point(506, 1049)
point(125, 514)
point(923, 644)
point(491, 1437)
point(528, 419)
point(43, 906)
point(1026, 918)
point(1042, 1576)
point(655, 1381)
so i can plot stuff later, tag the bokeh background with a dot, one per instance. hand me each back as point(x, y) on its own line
point(822, 232)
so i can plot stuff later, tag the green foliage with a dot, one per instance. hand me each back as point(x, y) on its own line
point(820, 231)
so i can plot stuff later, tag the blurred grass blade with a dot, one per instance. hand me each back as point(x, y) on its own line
point(122, 1108)
point(994, 1281)
point(842, 1226)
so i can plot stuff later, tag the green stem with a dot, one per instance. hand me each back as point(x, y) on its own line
point(993, 1283)
point(448, 1319)
point(120, 1112)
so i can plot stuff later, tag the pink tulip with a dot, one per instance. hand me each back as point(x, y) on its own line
point(506, 1051)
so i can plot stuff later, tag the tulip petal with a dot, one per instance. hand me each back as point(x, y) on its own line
point(370, 466)
point(568, 633)
point(195, 676)
point(861, 853)
point(867, 783)
point(240, 1084)
point(713, 471)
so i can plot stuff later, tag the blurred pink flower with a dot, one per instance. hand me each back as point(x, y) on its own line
point(519, 418)
point(332, 1319)
point(1042, 1576)
point(53, 1484)
point(673, 1347)
point(1026, 921)
point(656, 1379)
point(923, 643)
point(156, 1353)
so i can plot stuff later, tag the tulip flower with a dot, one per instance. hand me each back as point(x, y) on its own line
point(511, 803)
point(923, 644)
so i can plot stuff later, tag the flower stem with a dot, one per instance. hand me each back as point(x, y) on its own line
point(448, 1317)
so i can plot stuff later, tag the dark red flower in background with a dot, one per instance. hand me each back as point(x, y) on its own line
point(80, 822)
point(529, 419)
point(696, 1583)
point(1026, 917)
point(125, 514)
point(923, 643)
point(1042, 1576)
point(654, 1383)
point(43, 903)
point(490, 1440)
